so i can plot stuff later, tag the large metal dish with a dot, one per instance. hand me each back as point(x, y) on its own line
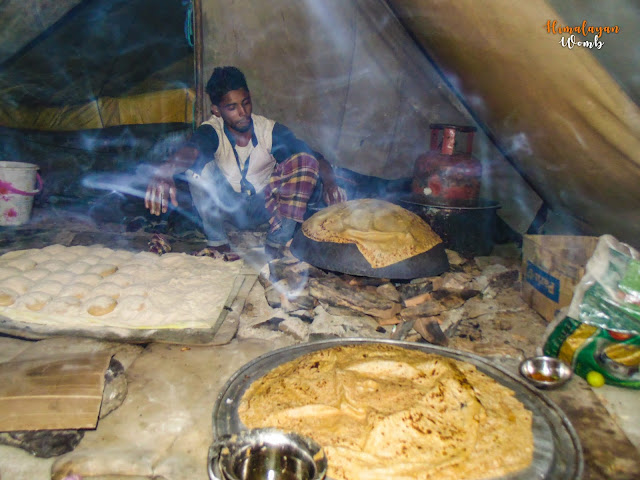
point(557, 451)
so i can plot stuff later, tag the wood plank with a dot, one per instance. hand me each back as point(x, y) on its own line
point(53, 392)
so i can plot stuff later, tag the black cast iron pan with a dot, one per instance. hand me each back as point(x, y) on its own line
point(346, 258)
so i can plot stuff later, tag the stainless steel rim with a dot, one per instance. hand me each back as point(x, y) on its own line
point(557, 450)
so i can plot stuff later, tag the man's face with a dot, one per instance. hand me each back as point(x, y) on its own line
point(235, 110)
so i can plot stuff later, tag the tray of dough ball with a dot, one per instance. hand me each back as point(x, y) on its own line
point(115, 294)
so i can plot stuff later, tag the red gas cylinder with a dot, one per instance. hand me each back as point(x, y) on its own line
point(444, 174)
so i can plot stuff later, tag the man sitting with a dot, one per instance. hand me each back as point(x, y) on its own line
point(244, 169)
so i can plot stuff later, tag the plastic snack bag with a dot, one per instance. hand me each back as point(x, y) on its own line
point(600, 331)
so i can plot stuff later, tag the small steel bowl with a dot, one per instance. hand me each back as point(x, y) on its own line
point(266, 453)
point(545, 372)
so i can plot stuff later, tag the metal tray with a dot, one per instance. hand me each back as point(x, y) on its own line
point(222, 330)
point(557, 452)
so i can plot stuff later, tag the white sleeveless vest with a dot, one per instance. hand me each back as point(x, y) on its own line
point(261, 162)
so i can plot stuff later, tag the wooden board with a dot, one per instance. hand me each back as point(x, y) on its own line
point(55, 392)
point(608, 453)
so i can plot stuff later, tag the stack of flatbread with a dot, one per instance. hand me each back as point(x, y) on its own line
point(384, 233)
point(387, 412)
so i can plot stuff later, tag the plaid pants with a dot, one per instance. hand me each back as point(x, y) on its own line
point(282, 202)
point(290, 187)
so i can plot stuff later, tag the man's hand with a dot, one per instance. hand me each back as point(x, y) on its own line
point(332, 193)
point(161, 188)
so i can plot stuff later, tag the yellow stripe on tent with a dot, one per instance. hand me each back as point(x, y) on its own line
point(166, 106)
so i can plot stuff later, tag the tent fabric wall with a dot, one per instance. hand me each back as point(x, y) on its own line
point(165, 106)
point(361, 81)
point(99, 64)
point(333, 72)
point(349, 79)
point(621, 55)
point(22, 21)
point(343, 75)
point(578, 131)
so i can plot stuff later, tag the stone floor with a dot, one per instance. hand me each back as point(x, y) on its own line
point(162, 430)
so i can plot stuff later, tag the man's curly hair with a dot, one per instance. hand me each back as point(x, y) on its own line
point(223, 80)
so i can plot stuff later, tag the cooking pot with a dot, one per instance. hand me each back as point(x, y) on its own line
point(467, 227)
point(346, 258)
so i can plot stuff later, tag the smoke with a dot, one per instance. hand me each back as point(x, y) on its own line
point(118, 183)
point(518, 144)
point(136, 159)
point(477, 104)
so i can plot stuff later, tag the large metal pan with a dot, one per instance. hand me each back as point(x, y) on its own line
point(346, 258)
point(557, 452)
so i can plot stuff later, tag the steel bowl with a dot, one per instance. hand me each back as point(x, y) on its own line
point(545, 372)
point(266, 453)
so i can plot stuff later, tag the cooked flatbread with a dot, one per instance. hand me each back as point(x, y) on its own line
point(384, 233)
point(382, 411)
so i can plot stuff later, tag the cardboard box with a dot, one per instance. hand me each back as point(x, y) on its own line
point(552, 265)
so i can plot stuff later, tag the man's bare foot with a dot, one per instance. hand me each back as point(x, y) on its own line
point(275, 251)
point(158, 244)
point(222, 251)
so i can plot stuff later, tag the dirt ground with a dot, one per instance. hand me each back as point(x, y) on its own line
point(163, 427)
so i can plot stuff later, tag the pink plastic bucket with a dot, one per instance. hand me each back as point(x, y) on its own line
point(17, 189)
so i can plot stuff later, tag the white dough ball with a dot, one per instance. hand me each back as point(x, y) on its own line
point(18, 284)
point(36, 274)
point(47, 286)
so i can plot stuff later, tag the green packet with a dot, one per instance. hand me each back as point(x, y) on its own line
point(615, 355)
